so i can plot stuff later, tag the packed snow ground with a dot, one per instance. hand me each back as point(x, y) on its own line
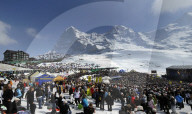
point(115, 107)
point(143, 60)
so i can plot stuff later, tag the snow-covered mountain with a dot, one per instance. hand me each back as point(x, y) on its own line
point(176, 36)
point(74, 41)
point(173, 36)
point(125, 48)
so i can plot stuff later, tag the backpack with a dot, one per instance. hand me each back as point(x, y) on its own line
point(80, 106)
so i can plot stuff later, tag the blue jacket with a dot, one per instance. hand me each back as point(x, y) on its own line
point(85, 102)
point(19, 94)
point(179, 99)
point(106, 94)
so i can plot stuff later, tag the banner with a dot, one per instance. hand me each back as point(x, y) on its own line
point(96, 80)
point(100, 79)
point(89, 78)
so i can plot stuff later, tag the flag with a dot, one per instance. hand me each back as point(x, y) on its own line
point(96, 80)
point(100, 79)
point(89, 78)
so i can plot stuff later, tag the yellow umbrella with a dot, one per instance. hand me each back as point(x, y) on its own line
point(59, 78)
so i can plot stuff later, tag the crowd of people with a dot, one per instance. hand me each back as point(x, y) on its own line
point(131, 91)
point(58, 67)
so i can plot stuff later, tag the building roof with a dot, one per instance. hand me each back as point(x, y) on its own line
point(180, 67)
point(12, 51)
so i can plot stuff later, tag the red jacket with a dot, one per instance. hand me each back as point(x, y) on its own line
point(92, 90)
point(24, 84)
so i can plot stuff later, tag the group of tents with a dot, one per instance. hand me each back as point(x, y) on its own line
point(42, 78)
point(46, 77)
point(104, 79)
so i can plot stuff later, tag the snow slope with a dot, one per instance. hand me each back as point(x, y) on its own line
point(125, 48)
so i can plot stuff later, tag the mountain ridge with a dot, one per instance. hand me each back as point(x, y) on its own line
point(176, 35)
point(80, 42)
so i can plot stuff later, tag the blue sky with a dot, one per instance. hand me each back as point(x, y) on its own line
point(35, 26)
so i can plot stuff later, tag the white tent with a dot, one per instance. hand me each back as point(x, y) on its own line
point(106, 78)
point(48, 73)
point(106, 81)
point(26, 74)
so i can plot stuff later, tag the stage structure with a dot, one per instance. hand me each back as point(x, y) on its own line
point(181, 73)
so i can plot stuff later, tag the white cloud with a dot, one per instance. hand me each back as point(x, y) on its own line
point(31, 31)
point(156, 7)
point(170, 6)
point(4, 37)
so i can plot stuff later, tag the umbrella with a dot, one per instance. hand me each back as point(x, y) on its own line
point(59, 78)
point(106, 81)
